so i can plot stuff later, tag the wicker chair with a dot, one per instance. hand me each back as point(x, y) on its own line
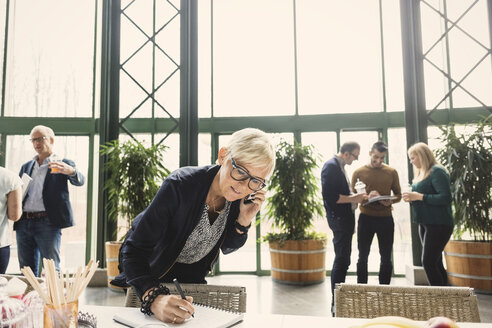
point(414, 302)
point(22, 278)
point(229, 298)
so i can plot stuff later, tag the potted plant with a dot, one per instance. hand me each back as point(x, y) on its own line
point(297, 252)
point(135, 173)
point(468, 158)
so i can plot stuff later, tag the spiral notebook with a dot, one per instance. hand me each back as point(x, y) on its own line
point(204, 317)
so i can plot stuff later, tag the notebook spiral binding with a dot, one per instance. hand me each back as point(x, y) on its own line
point(216, 308)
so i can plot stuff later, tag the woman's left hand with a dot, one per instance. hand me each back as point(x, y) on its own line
point(412, 196)
point(247, 212)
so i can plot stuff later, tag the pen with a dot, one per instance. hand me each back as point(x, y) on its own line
point(180, 291)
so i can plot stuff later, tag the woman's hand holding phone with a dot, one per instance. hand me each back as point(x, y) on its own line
point(249, 206)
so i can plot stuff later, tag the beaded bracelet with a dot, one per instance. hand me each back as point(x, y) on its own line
point(150, 298)
point(240, 227)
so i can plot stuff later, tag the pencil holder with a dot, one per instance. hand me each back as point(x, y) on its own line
point(61, 316)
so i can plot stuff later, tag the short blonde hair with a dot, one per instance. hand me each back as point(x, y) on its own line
point(252, 147)
point(426, 158)
point(46, 130)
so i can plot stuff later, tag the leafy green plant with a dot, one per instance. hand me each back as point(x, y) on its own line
point(468, 157)
point(135, 172)
point(296, 197)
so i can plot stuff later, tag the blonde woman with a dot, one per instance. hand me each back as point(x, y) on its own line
point(197, 212)
point(430, 201)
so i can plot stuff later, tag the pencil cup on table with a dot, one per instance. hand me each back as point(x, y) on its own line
point(61, 316)
point(61, 298)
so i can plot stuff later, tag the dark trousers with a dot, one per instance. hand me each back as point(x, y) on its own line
point(434, 238)
point(4, 258)
point(343, 229)
point(383, 227)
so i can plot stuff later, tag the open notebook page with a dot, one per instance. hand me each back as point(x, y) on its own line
point(204, 317)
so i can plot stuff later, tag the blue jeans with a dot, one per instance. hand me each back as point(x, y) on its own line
point(4, 258)
point(35, 238)
point(343, 229)
point(384, 228)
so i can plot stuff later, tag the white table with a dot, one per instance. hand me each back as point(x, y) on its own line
point(105, 314)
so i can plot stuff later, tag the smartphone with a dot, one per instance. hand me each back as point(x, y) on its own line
point(249, 199)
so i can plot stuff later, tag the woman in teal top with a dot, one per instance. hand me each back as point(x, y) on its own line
point(430, 201)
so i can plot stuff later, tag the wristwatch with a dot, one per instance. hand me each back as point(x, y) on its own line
point(240, 227)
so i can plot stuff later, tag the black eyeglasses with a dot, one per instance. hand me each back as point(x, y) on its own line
point(356, 157)
point(240, 174)
point(40, 139)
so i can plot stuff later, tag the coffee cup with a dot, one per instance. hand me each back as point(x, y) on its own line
point(360, 187)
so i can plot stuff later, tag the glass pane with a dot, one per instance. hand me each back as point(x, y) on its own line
point(433, 134)
point(171, 158)
point(204, 58)
point(338, 47)
point(2, 41)
point(147, 68)
point(326, 145)
point(402, 246)
point(393, 59)
point(205, 149)
point(253, 58)
point(436, 87)
point(50, 61)
point(469, 45)
point(20, 150)
point(431, 25)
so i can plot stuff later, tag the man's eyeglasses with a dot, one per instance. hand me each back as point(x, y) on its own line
point(40, 139)
point(240, 174)
point(355, 156)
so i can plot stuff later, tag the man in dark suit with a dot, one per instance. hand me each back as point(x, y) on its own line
point(340, 205)
point(46, 207)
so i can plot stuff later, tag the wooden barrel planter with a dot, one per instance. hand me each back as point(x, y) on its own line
point(112, 251)
point(298, 262)
point(469, 263)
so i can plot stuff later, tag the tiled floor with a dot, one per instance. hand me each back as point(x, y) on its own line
point(265, 296)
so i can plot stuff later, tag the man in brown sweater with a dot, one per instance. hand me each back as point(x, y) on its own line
point(375, 217)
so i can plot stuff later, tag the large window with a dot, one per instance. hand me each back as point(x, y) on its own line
point(50, 58)
point(275, 57)
point(456, 47)
point(340, 46)
point(253, 58)
point(149, 77)
point(49, 74)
